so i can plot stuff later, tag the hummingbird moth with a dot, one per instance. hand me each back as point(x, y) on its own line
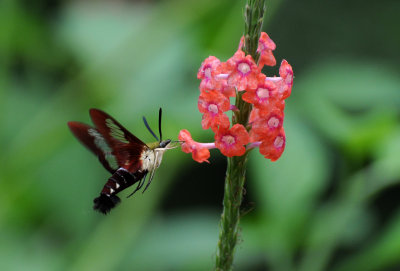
point(125, 156)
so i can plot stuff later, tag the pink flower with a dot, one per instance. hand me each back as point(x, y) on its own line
point(207, 72)
point(265, 48)
point(243, 71)
point(199, 151)
point(213, 104)
point(267, 126)
point(264, 95)
point(227, 90)
point(222, 87)
point(265, 43)
point(272, 148)
point(231, 141)
point(285, 85)
point(255, 114)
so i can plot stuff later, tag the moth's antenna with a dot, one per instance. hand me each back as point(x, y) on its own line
point(148, 128)
point(159, 123)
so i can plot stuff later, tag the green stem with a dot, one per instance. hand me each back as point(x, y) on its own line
point(236, 168)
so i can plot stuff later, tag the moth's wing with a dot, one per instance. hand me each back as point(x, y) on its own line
point(96, 143)
point(126, 147)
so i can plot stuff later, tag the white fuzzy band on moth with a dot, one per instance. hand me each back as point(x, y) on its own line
point(147, 158)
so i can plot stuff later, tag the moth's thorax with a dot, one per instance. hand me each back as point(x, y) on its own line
point(157, 144)
point(151, 157)
point(153, 145)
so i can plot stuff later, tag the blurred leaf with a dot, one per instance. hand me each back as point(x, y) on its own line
point(356, 107)
point(339, 222)
point(384, 250)
point(288, 189)
point(179, 242)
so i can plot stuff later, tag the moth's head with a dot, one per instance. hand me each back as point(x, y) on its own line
point(164, 143)
point(168, 145)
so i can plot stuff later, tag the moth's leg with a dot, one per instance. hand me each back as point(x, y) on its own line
point(149, 181)
point(140, 184)
point(153, 170)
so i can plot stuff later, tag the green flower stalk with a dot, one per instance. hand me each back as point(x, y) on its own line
point(257, 119)
point(236, 169)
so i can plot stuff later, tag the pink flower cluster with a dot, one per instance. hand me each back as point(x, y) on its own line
point(240, 73)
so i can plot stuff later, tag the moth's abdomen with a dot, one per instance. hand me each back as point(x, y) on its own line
point(104, 203)
point(120, 180)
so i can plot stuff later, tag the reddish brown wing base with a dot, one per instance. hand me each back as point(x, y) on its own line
point(118, 151)
point(126, 147)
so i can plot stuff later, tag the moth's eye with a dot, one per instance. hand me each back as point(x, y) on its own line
point(164, 143)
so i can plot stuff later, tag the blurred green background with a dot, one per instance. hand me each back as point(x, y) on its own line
point(332, 202)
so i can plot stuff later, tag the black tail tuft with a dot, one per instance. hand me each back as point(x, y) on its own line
point(105, 203)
